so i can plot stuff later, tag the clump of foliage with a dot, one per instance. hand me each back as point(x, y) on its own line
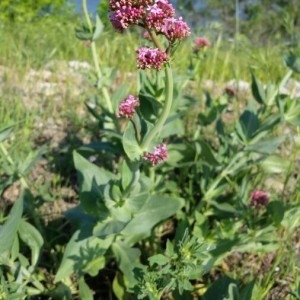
point(27, 10)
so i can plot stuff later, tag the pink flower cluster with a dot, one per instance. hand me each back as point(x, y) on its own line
point(126, 16)
point(127, 107)
point(158, 155)
point(155, 15)
point(200, 42)
point(149, 58)
point(175, 29)
point(259, 198)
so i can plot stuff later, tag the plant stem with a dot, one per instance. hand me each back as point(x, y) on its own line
point(155, 40)
point(165, 112)
point(95, 58)
point(237, 20)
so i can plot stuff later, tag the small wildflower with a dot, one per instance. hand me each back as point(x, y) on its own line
point(259, 198)
point(149, 58)
point(175, 29)
point(201, 42)
point(127, 107)
point(158, 155)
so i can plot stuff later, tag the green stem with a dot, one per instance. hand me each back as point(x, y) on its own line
point(237, 20)
point(155, 40)
point(95, 57)
point(165, 113)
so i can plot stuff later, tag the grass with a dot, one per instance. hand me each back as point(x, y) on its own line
point(34, 45)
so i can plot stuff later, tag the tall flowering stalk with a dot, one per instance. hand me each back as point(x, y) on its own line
point(92, 44)
point(158, 19)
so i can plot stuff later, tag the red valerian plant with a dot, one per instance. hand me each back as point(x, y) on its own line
point(158, 19)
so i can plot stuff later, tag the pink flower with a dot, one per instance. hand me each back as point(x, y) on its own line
point(126, 16)
point(201, 42)
point(117, 4)
point(175, 29)
point(127, 107)
point(157, 13)
point(259, 198)
point(149, 58)
point(158, 155)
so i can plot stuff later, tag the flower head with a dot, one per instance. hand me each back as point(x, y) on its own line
point(117, 4)
point(149, 58)
point(201, 42)
point(126, 16)
point(127, 107)
point(157, 13)
point(259, 198)
point(158, 155)
point(175, 29)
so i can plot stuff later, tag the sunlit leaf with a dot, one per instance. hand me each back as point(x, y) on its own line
point(8, 231)
point(31, 236)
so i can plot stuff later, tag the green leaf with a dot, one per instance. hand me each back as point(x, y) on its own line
point(32, 158)
point(247, 125)
point(276, 210)
point(128, 260)
point(266, 146)
point(292, 115)
point(207, 155)
point(84, 33)
point(92, 180)
point(158, 259)
point(8, 232)
point(275, 164)
point(291, 219)
point(99, 28)
point(130, 142)
point(80, 255)
point(246, 293)
point(258, 90)
point(173, 126)
point(219, 289)
point(89, 171)
point(126, 174)
point(224, 207)
point(169, 249)
point(5, 132)
point(31, 237)
point(293, 62)
point(119, 287)
point(156, 209)
point(233, 292)
point(108, 227)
